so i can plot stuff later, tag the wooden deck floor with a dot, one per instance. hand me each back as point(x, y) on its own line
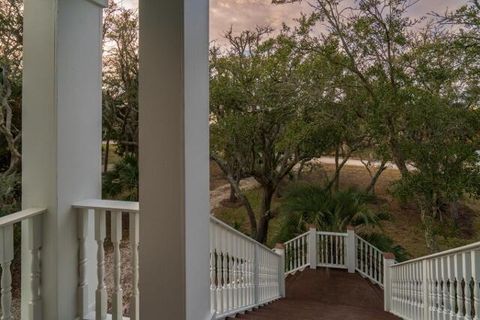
point(325, 294)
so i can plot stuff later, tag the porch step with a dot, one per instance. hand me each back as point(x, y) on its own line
point(325, 294)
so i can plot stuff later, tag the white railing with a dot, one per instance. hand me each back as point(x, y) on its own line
point(243, 273)
point(33, 230)
point(99, 209)
point(297, 254)
point(369, 261)
point(332, 249)
point(444, 285)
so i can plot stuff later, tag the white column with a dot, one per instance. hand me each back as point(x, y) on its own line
point(61, 123)
point(280, 250)
point(388, 261)
point(312, 247)
point(174, 160)
point(351, 249)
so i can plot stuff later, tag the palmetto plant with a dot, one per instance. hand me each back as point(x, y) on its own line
point(311, 204)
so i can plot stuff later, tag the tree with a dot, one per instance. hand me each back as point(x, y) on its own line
point(404, 74)
point(11, 45)
point(260, 120)
point(120, 80)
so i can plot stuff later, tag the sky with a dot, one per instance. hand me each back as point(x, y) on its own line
point(246, 14)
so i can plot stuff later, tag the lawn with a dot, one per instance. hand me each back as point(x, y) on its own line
point(404, 225)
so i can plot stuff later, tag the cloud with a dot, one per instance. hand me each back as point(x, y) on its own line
point(246, 14)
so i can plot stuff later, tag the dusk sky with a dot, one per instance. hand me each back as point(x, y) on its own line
point(245, 14)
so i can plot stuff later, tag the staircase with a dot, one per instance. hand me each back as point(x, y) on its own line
point(325, 294)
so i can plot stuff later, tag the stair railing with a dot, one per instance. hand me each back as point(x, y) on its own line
point(244, 274)
point(369, 260)
point(445, 285)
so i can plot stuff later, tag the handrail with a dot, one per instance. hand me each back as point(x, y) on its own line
point(328, 233)
point(229, 228)
point(371, 245)
point(467, 247)
point(109, 205)
point(20, 216)
point(297, 237)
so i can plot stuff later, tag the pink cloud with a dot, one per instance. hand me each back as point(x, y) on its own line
point(246, 14)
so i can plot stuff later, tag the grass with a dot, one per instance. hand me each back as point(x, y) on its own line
point(404, 226)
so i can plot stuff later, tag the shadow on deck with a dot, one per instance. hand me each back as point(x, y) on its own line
point(325, 294)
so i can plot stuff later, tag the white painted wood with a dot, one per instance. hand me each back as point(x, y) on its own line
point(475, 259)
point(389, 283)
point(21, 216)
point(116, 237)
point(6, 257)
point(108, 205)
point(34, 229)
point(83, 287)
point(134, 235)
point(174, 162)
point(101, 292)
point(351, 254)
point(61, 135)
point(312, 248)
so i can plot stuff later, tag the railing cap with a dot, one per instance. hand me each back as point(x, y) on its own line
point(350, 228)
point(312, 226)
point(279, 246)
point(388, 256)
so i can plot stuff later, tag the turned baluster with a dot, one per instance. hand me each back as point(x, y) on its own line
point(34, 231)
point(6, 257)
point(116, 235)
point(134, 232)
point(101, 292)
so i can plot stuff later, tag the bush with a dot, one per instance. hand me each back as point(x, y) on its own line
point(122, 182)
point(311, 204)
point(10, 190)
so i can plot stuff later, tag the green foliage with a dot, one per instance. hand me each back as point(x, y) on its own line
point(122, 182)
point(386, 244)
point(9, 194)
point(305, 204)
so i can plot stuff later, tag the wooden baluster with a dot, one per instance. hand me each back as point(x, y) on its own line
point(371, 261)
point(475, 257)
point(6, 257)
point(134, 235)
point(467, 276)
point(331, 249)
point(116, 235)
point(34, 231)
point(451, 277)
point(219, 284)
point(213, 288)
point(225, 271)
point(438, 273)
point(83, 222)
point(101, 292)
point(445, 292)
point(433, 290)
point(234, 272)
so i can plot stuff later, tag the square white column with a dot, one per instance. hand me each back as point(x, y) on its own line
point(174, 160)
point(61, 143)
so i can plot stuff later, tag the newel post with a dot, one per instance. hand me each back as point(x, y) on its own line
point(388, 261)
point(280, 250)
point(351, 249)
point(312, 247)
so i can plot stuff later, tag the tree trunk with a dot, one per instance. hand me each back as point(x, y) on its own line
point(376, 176)
point(267, 196)
point(428, 221)
point(337, 171)
point(106, 158)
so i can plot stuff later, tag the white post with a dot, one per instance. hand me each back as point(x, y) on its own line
point(388, 261)
point(174, 160)
point(425, 296)
point(256, 274)
point(61, 139)
point(351, 250)
point(312, 247)
point(280, 250)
